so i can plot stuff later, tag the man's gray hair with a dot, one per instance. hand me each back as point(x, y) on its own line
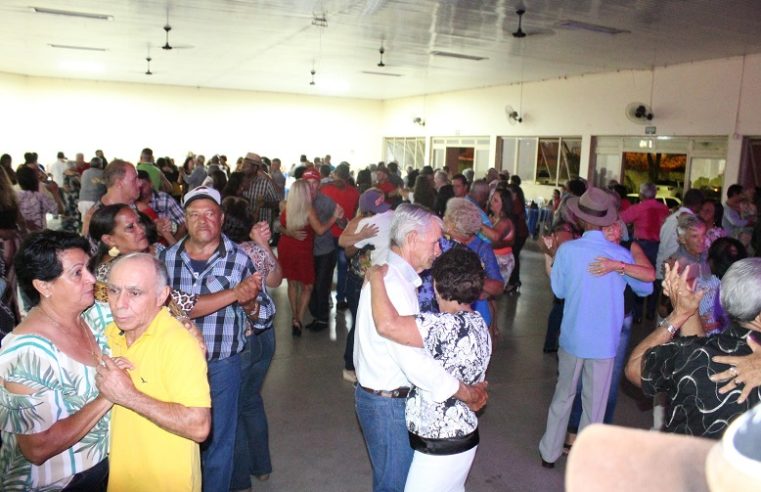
point(647, 190)
point(463, 215)
point(740, 292)
point(685, 222)
point(162, 279)
point(408, 218)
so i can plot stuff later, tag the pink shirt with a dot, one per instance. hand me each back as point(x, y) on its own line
point(648, 217)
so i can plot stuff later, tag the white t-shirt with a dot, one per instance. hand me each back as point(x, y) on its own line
point(381, 240)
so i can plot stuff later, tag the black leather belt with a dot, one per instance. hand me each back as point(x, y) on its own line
point(400, 392)
point(445, 446)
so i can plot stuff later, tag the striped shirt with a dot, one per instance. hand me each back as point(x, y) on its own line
point(223, 330)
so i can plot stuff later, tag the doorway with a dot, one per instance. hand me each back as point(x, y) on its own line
point(459, 159)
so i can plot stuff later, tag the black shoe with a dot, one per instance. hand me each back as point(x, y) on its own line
point(342, 305)
point(547, 350)
point(316, 326)
point(547, 464)
point(296, 328)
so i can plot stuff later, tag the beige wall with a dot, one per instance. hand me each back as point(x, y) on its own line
point(48, 115)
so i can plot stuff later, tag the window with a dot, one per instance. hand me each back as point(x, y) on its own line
point(546, 160)
point(408, 152)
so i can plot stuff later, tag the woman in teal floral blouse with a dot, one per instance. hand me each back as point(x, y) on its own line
point(54, 424)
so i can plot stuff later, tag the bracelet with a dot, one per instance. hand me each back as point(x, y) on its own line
point(669, 327)
point(622, 269)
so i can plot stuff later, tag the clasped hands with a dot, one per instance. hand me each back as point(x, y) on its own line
point(112, 380)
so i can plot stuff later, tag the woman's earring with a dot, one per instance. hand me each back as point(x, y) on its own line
point(113, 252)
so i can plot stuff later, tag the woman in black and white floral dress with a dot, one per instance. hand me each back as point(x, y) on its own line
point(443, 435)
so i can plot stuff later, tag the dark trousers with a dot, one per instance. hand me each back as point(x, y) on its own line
point(515, 277)
point(554, 320)
point(650, 248)
point(319, 302)
point(353, 288)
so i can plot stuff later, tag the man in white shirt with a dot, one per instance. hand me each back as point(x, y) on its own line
point(386, 370)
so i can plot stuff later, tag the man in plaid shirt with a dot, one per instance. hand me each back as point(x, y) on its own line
point(209, 265)
point(260, 190)
point(163, 204)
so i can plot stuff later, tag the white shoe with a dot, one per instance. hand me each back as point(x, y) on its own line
point(349, 376)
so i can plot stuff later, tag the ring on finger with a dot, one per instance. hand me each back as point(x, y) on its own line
point(733, 371)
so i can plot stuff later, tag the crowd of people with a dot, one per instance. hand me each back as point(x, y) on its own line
point(144, 319)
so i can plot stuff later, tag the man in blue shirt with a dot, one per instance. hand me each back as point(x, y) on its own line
point(592, 318)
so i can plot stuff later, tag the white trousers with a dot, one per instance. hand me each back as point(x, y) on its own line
point(437, 473)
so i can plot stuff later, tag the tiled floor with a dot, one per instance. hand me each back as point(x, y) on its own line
point(317, 445)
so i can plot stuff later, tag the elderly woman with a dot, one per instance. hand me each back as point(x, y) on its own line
point(54, 423)
point(684, 367)
point(444, 435)
point(462, 221)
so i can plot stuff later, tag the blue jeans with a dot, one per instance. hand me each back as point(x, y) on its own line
point(217, 451)
point(342, 267)
point(252, 449)
point(615, 380)
point(388, 444)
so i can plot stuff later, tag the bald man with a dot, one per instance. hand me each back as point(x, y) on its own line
point(157, 382)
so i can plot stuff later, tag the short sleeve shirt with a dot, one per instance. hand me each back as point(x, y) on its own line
point(681, 369)
point(62, 386)
point(168, 366)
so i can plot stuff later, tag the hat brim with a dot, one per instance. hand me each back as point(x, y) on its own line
point(199, 197)
point(602, 221)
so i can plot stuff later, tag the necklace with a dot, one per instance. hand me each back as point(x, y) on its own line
point(94, 351)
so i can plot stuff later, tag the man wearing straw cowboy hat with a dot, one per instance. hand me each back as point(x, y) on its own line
point(592, 318)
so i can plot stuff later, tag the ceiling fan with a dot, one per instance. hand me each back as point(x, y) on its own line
point(167, 29)
point(148, 61)
point(520, 33)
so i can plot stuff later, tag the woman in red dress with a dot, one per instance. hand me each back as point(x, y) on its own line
point(295, 248)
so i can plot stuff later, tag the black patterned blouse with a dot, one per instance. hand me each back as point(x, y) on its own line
point(460, 342)
point(681, 369)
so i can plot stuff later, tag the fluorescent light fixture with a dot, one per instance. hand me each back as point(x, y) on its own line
point(72, 13)
point(573, 25)
point(81, 67)
point(72, 47)
point(383, 74)
point(459, 56)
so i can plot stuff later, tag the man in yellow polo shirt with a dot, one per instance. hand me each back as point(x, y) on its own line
point(157, 382)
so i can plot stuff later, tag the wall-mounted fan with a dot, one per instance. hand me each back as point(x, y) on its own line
point(513, 116)
point(639, 113)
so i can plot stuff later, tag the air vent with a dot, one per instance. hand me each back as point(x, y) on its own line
point(459, 56)
point(572, 25)
point(80, 48)
point(72, 13)
point(384, 74)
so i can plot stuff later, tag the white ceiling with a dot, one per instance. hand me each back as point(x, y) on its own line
point(272, 45)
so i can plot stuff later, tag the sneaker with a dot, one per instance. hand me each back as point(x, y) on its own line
point(350, 376)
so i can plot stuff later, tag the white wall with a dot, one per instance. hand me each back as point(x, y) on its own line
point(691, 99)
point(47, 115)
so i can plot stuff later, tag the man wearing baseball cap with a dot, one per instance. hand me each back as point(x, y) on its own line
point(209, 265)
point(592, 317)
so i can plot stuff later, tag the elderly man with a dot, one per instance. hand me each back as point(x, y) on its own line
point(122, 186)
point(208, 264)
point(592, 318)
point(161, 403)
point(386, 370)
point(689, 368)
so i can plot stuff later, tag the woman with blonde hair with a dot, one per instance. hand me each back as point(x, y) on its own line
point(300, 222)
